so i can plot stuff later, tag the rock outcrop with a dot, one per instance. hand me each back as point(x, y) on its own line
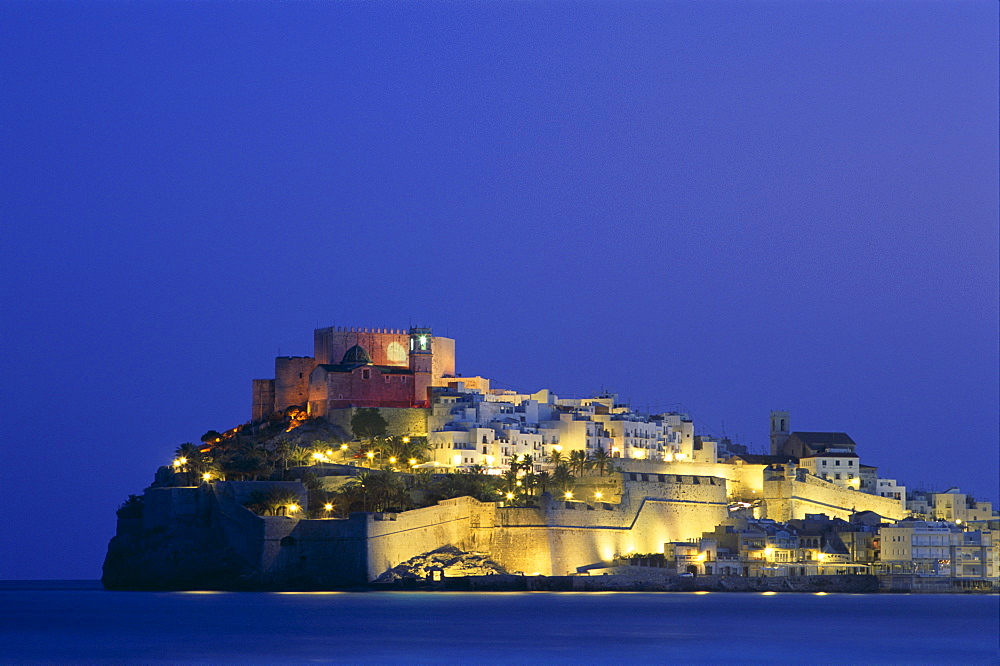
point(450, 561)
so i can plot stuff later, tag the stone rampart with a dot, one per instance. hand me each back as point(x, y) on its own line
point(743, 480)
point(559, 536)
point(786, 499)
point(401, 420)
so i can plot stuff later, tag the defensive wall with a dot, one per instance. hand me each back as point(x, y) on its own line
point(743, 480)
point(555, 538)
point(560, 536)
point(786, 493)
point(400, 420)
point(789, 498)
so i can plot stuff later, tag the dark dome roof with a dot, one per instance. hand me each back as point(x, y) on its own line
point(356, 355)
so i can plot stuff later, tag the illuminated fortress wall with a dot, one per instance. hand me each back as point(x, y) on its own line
point(557, 539)
point(554, 539)
point(786, 499)
point(385, 346)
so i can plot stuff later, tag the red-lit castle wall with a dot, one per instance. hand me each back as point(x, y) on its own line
point(385, 347)
point(363, 386)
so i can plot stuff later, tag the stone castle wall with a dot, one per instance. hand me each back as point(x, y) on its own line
point(291, 381)
point(556, 538)
point(401, 420)
point(262, 401)
point(786, 499)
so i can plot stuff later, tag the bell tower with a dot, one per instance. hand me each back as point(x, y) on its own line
point(780, 429)
point(421, 363)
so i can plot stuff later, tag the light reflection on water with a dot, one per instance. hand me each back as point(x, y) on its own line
point(62, 624)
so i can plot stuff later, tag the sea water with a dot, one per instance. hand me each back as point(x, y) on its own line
point(79, 621)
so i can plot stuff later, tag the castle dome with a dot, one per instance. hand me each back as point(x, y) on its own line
point(356, 355)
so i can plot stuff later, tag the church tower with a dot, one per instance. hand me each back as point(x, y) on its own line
point(780, 429)
point(421, 363)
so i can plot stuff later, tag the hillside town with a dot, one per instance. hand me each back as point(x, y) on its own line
point(376, 432)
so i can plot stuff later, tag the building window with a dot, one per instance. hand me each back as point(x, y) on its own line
point(366, 374)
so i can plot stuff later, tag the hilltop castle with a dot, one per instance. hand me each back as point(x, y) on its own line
point(702, 504)
point(357, 367)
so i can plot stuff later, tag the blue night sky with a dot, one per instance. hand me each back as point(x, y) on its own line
point(735, 206)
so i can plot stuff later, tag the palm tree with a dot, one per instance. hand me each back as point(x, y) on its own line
point(579, 461)
point(375, 491)
point(510, 480)
point(556, 458)
point(601, 459)
point(543, 479)
point(562, 479)
point(530, 481)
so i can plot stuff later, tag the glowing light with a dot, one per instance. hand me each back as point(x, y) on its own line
point(820, 594)
point(370, 455)
point(392, 460)
point(703, 592)
point(681, 456)
point(406, 440)
point(509, 496)
point(329, 452)
point(490, 460)
point(207, 476)
point(557, 448)
point(568, 494)
point(292, 508)
point(412, 461)
point(768, 553)
point(639, 454)
point(328, 507)
point(518, 483)
point(768, 594)
point(317, 456)
point(457, 460)
point(702, 556)
point(598, 495)
point(343, 447)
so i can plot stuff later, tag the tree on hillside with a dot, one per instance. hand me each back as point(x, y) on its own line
point(367, 424)
point(272, 502)
point(601, 459)
point(132, 507)
point(405, 448)
point(543, 481)
point(482, 487)
point(562, 479)
point(579, 461)
point(374, 491)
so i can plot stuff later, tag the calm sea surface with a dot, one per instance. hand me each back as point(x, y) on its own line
point(78, 621)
